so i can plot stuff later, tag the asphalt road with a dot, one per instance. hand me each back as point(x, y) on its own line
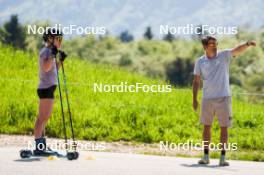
point(104, 163)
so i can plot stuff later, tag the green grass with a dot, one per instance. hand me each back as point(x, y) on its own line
point(138, 117)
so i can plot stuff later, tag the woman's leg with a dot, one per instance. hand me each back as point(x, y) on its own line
point(45, 109)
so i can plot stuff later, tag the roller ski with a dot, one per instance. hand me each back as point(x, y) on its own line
point(42, 150)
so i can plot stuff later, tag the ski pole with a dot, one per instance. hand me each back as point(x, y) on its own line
point(62, 110)
point(68, 104)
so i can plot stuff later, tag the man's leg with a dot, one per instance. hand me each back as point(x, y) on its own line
point(224, 113)
point(206, 119)
point(206, 142)
point(223, 140)
point(206, 137)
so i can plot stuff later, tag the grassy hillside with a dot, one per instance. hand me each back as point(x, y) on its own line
point(139, 117)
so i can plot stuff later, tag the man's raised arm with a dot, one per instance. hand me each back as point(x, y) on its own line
point(242, 47)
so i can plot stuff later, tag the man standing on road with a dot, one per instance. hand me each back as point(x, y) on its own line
point(213, 68)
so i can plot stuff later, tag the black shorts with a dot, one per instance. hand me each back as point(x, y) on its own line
point(47, 92)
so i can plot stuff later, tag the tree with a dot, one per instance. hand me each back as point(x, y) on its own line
point(179, 72)
point(126, 37)
point(13, 33)
point(148, 34)
point(169, 37)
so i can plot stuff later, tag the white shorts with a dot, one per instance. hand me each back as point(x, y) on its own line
point(221, 107)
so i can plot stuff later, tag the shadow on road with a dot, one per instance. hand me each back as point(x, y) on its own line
point(28, 160)
point(207, 166)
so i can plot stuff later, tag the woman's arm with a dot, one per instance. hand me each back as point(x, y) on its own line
point(47, 64)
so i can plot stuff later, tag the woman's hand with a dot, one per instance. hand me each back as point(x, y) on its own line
point(62, 55)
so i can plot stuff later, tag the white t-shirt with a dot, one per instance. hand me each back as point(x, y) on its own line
point(215, 74)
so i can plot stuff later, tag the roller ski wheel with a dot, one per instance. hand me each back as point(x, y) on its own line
point(72, 155)
point(25, 154)
point(76, 155)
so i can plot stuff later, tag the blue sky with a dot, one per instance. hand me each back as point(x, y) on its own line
point(136, 15)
